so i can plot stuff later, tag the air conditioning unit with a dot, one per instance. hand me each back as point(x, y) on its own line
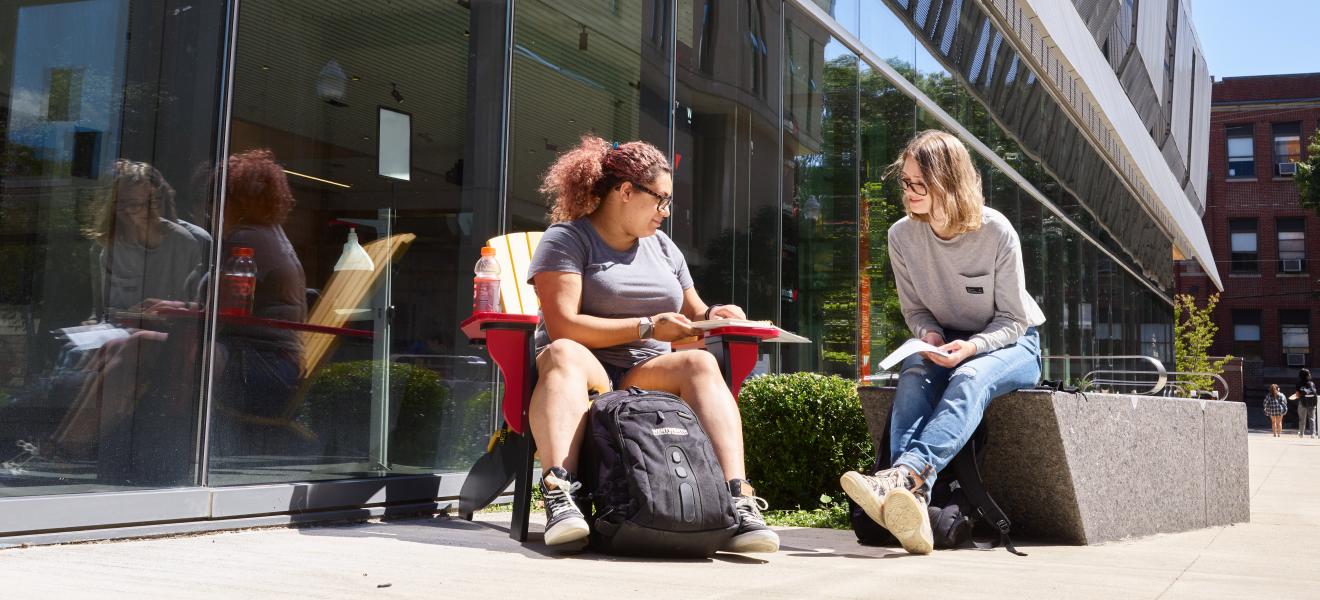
point(1296, 360)
point(1287, 168)
point(1292, 265)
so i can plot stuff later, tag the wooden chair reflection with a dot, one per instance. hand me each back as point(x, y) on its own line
point(343, 292)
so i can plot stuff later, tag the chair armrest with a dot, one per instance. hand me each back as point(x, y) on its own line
point(736, 349)
point(509, 340)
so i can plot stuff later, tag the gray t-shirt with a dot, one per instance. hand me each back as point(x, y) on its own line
point(972, 283)
point(645, 280)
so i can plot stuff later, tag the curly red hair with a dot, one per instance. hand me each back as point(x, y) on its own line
point(582, 177)
point(257, 190)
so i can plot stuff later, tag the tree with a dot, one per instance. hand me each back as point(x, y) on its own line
point(1307, 177)
point(1193, 332)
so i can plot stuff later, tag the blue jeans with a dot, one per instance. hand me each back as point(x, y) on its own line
point(937, 409)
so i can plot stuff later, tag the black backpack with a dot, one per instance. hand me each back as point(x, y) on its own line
point(962, 513)
point(655, 484)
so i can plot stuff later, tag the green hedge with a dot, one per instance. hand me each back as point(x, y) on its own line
point(801, 432)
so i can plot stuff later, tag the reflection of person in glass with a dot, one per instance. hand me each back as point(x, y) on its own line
point(142, 256)
point(259, 366)
point(142, 252)
point(958, 268)
point(614, 292)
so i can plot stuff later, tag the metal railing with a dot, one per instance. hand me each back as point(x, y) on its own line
point(1111, 377)
point(1153, 381)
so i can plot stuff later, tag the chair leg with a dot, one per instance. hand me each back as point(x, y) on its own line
point(522, 488)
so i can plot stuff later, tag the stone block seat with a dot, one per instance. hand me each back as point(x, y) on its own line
point(1091, 468)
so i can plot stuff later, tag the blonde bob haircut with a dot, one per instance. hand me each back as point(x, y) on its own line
point(952, 183)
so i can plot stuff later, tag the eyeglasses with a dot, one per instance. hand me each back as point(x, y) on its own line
point(916, 187)
point(661, 202)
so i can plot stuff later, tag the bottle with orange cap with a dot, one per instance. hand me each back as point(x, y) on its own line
point(238, 282)
point(486, 283)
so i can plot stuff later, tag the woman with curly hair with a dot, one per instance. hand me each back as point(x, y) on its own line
point(614, 292)
point(260, 366)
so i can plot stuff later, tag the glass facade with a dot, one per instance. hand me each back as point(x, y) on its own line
point(156, 157)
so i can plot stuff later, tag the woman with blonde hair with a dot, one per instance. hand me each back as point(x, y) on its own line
point(958, 269)
point(1276, 405)
point(614, 292)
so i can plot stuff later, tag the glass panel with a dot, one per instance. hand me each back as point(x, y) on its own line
point(1246, 333)
point(1239, 148)
point(1287, 148)
point(1244, 242)
point(726, 137)
point(586, 68)
point(108, 110)
point(1292, 245)
point(352, 363)
point(886, 125)
point(1296, 338)
point(820, 185)
point(843, 11)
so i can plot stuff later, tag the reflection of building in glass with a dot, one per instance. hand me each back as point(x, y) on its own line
point(780, 117)
point(1262, 237)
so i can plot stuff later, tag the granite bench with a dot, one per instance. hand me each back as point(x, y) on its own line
point(1092, 468)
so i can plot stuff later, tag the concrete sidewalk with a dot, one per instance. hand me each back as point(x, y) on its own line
point(1276, 555)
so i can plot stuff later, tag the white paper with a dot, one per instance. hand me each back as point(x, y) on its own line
point(93, 337)
point(909, 348)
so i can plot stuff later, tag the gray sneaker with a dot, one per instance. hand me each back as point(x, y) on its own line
point(753, 535)
point(564, 522)
point(869, 491)
point(907, 517)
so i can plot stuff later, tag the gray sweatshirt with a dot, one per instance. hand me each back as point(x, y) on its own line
point(972, 283)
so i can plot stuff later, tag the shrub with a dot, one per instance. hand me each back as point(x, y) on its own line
point(801, 432)
point(430, 429)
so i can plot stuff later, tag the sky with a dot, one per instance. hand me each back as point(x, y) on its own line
point(1258, 37)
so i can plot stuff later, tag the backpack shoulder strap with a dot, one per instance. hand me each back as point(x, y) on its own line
point(969, 481)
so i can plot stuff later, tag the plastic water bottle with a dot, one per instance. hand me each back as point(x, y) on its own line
point(238, 282)
point(486, 284)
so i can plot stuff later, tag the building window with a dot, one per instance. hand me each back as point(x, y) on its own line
point(1295, 335)
point(1242, 232)
point(1246, 333)
point(1292, 245)
point(1241, 158)
point(1287, 148)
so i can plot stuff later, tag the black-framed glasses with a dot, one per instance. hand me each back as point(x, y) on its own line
point(661, 202)
point(916, 187)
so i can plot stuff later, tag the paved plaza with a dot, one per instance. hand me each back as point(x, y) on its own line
point(1276, 556)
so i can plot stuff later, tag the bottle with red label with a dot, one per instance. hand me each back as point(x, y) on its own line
point(238, 282)
point(486, 283)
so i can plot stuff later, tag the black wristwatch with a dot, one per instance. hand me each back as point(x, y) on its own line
point(645, 328)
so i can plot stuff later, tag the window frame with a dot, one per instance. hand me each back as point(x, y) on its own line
point(1246, 318)
point(1243, 262)
point(1290, 225)
point(1238, 132)
point(1295, 319)
point(1286, 130)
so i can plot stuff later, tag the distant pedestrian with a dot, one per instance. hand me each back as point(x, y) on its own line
point(1305, 395)
point(1275, 407)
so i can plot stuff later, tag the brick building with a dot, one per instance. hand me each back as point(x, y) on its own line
point(1261, 237)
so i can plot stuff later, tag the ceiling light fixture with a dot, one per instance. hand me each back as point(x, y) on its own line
point(582, 39)
point(394, 93)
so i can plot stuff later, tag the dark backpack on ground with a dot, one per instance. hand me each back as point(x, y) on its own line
point(655, 485)
point(962, 513)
